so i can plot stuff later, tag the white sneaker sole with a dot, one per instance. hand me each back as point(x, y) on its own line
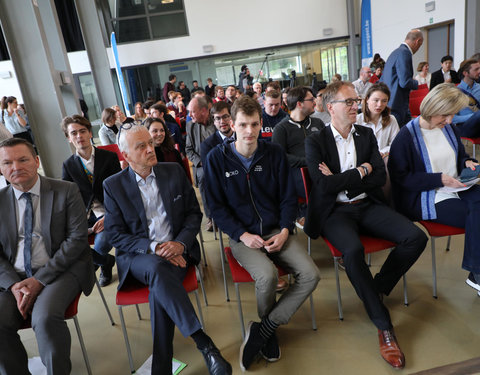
point(274, 359)
point(473, 285)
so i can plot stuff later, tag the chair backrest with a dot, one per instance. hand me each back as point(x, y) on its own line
point(414, 105)
point(307, 181)
point(113, 148)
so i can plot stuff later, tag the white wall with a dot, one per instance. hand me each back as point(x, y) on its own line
point(9, 86)
point(232, 25)
point(392, 19)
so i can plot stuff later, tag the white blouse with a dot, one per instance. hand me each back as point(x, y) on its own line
point(423, 81)
point(385, 135)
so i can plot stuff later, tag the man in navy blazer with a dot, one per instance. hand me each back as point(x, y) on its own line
point(222, 120)
point(88, 168)
point(152, 218)
point(398, 76)
point(347, 200)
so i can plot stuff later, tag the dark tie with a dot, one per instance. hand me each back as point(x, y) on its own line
point(28, 231)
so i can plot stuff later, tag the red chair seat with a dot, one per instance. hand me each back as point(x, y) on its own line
point(240, 274)
point(441, 230)
point(113, 148)
point(136, 293)
point(371, 245)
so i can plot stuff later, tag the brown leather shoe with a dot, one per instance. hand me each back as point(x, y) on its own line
point(390, 350)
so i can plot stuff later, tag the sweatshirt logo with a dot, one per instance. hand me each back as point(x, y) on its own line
point(231, 173)
point(258, 168)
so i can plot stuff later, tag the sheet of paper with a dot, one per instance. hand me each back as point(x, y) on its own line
point(467, 186)
point(146, 368)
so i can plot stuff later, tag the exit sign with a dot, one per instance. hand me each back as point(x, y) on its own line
point(431, 20)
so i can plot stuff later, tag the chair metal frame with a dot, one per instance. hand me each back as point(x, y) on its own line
point(141, 297)
point(436, 230)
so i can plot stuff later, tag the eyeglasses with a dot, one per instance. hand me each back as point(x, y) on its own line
point(309, 100)
point(225, 117)
point(348, 102)
point(125, 127)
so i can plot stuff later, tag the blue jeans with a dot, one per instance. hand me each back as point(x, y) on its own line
point(101, 245)
point(464, 213)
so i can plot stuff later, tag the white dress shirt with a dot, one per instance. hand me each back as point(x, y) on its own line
point(159, 229)
point(385, 135)
point(97, 207)
point(442, 158)
point(39, 253)
point(347, 155)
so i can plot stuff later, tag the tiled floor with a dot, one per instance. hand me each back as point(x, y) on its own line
point(432, 332)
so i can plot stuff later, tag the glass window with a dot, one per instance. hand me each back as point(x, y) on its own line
point(131, 30)
point(137, 20)
point(168, 25)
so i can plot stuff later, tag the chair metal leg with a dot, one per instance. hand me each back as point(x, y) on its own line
point(434, 269)
point(312, 312)
point(369, 259)
point(200, 279)
point(405, 293)
point(125, 336)
point(138, 313)
point(309, 245)
point(222, 258)
point(448, 243)
point(104, 301)
point(82, 345)
point(240, 312)
point(199, 309)
point(202, 248)
point(339, 295)
point(214, 230)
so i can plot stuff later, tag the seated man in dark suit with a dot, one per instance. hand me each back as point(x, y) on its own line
point(253, 201)
point(347, 200)
point(152, 218)
point(445, 74)
point(88, 168)
point(45, 259)
point(222, 120)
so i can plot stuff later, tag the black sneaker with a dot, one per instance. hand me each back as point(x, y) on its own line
point(106, 271)
point(251, 346)
point(471, 281)
point(216, 364)
point(271, 350)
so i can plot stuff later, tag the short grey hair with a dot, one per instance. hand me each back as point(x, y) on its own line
point(122, 134)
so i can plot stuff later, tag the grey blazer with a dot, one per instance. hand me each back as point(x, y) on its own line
point(64, 231)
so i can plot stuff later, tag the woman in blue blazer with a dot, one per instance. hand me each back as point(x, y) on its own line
point(426, 159)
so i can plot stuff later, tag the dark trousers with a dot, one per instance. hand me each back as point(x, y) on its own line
point(471, 127)
point(170, 306)
point(342, 229)
point(464, 213)
point(101, 246)
point(402, 117)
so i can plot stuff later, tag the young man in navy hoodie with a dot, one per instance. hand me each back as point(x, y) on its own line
point(259, 222)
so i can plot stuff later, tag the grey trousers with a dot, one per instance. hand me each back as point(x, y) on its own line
point(51, 331)
point(261, 266)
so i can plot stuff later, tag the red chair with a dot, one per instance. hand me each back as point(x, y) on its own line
point(241, 275)
point(137, 293)
point(71, 313)
point(370, 244)
point(113, 148)
point(436, 230)
point(414, 105)
point(475, 141)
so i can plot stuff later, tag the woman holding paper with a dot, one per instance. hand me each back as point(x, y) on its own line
point(426, 159)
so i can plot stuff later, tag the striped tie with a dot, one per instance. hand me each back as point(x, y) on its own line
point(28, 231)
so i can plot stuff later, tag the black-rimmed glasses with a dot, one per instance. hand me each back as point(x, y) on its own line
point(348, 102)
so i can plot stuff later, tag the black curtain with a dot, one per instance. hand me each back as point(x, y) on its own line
point(72, 34)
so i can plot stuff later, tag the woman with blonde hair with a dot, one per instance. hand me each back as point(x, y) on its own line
point(432, 174)
point(423, 77)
